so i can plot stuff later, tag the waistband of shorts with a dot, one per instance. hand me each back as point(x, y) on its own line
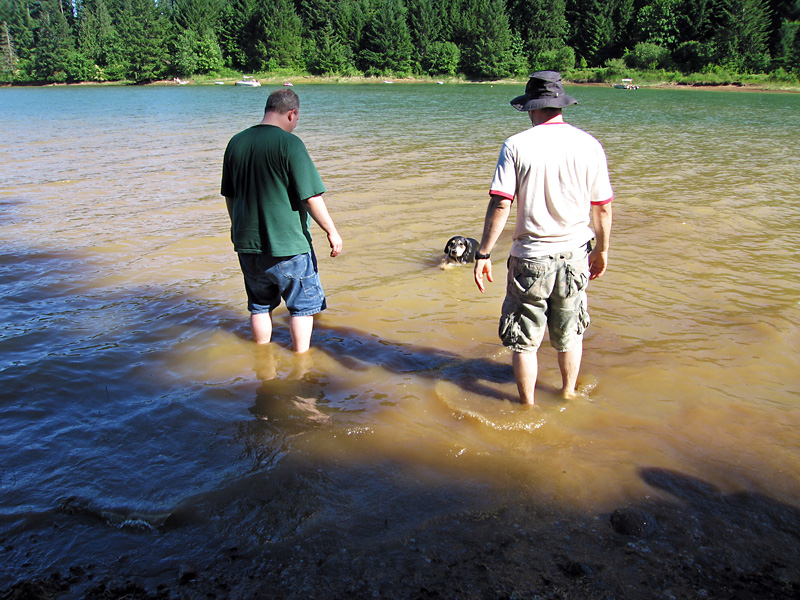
point(579, 252)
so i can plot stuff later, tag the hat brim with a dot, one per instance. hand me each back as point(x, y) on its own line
point(524, 103)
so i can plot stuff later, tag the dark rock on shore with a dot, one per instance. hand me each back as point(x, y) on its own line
point(633, 522)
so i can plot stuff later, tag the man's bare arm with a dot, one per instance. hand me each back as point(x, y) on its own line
point(496, 217)
point(598, 259)
point(319, 212)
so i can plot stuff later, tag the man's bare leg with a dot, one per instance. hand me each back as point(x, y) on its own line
point(301, 328)
point(526, 367)
point(261, 327)
point(570, 364)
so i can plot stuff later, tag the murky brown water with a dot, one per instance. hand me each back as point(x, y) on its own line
point(130, 381)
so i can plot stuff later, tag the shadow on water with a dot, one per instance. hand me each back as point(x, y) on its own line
point(354, 349)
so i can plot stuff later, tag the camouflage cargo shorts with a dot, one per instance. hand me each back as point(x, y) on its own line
point(546, 291)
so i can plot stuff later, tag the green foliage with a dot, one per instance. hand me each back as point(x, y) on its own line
point(793, 54)
point(8, 55)
point(555, 60)
point(142, 29)
point(648, 56)
point(387, 50)
point(488, 54)
point(330, 55)
point(616, 67)
point(541, 25)
point(657, 23)
point(442, 59)
point(278, 36)
point(741, 43)
point(53, 45)
point(787, 35)
point(693, 56)
point(144, 40)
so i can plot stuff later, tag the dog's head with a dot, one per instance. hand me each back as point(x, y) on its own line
point(460, 249)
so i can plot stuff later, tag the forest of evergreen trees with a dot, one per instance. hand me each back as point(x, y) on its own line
point(138, 41)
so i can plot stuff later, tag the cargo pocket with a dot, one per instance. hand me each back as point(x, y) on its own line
point(528, 279)
point(509, 330)
point(573, 281)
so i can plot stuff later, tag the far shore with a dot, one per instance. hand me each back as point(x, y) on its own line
point(316, 79)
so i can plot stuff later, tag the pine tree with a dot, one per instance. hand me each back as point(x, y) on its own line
point(541, 25)
point(98, 41)
point(8, 61)
point(425, 21)
point(331, 56)
point(488, 54)
point(742, 40)
point(143, 31)
point(656, 23)
point(279, 31)
point(235, 33)
point(387, 49)
point(53, 44)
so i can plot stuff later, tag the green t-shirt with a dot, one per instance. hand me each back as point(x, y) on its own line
point(268, 173)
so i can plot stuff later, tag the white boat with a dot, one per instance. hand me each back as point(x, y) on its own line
point(249, 81)
point(627, 84)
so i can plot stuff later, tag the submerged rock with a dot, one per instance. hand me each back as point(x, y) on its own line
point(633, 522)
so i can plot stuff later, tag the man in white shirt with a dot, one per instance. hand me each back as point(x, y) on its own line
point(558, 175)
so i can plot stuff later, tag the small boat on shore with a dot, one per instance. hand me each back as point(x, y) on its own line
point(248, 81)
point(627, 84)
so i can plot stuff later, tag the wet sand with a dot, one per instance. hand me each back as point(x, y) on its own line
point(704, 544)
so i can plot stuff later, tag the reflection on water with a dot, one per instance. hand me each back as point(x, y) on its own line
point(131, 393)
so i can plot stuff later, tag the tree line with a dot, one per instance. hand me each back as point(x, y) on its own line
point(139, 41)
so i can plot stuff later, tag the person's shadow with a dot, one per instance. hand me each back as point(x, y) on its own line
point(749, 512)
point(356, 350)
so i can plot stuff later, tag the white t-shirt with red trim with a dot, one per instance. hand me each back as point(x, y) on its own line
point(556, 172)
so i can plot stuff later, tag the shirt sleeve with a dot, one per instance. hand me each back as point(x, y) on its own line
point(305, 179)
point(601, 191)
point(226, 186)
point(504, 183)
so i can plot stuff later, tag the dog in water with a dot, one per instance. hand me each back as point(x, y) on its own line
point(459, 250)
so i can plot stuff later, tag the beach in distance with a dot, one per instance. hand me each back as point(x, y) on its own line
point(150, 450)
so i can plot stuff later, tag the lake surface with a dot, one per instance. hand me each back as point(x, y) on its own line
point(141, 429)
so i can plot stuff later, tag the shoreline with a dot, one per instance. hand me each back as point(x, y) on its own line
point(362, 80)
point(699, 544)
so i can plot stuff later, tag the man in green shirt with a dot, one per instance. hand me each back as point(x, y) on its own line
point(271, 186)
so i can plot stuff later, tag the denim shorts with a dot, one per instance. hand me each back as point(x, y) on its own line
point(267, 279)
point(546, 291)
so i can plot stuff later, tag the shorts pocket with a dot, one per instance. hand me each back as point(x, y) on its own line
point(297, 267)
point(529, 279)
point(509, 330)
point(573, 279)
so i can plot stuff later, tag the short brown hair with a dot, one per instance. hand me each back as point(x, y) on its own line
point(282, 101)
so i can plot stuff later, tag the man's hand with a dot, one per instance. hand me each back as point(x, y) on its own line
point(483, 266)
point(598, 261)
point(335, 240)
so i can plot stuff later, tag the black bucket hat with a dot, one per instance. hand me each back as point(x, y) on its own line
point(544, 90)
